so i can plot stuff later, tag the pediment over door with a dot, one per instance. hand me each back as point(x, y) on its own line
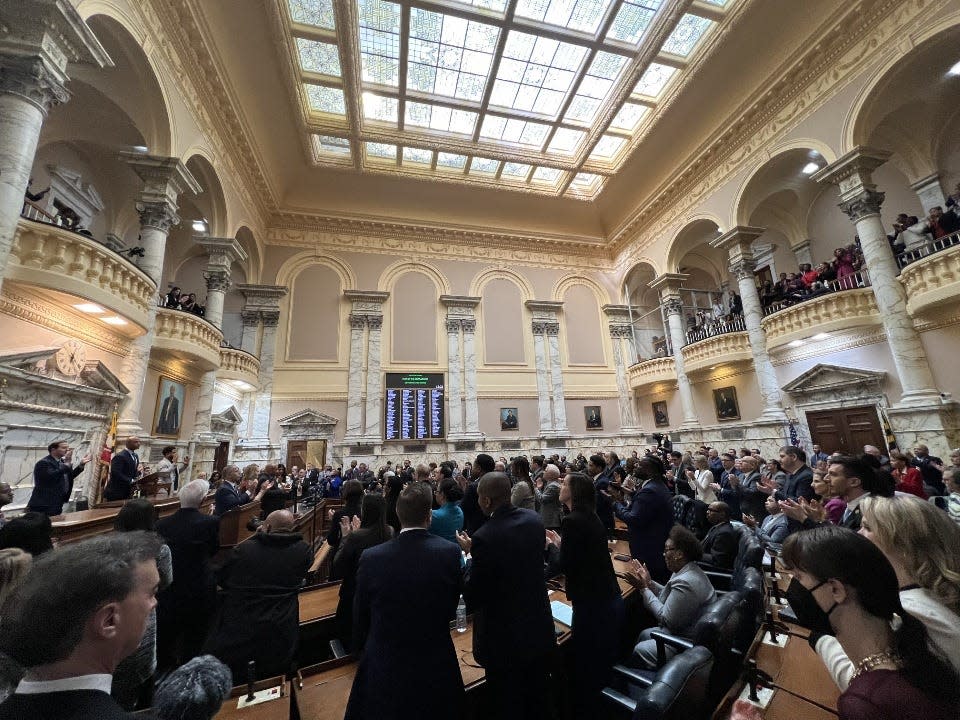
point(225, 422)
point(832, 383)
point(307, 424)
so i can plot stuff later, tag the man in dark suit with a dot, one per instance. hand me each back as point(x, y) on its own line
point(186, 605)
point(125, 468)
point(77, 614)
point(513, 631)
point(648, 513)
point(53, 479)
point(169, 420)
point(722, 542)
point(473, 517)
point(799, 481)
point(399, 638)
point(230, 495)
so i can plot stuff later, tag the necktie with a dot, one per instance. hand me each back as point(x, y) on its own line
point(846, 515)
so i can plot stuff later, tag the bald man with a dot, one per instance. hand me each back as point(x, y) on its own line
point(550, 510)
point(125, 468)
point(259, 617)
point(506, 592)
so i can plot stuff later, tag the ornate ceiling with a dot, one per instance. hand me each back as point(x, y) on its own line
point(544, 96)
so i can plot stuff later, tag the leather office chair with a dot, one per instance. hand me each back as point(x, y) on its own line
point(678, 691)
point(749, 555)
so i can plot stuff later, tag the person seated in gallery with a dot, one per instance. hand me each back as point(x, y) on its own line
point(190, 305)
point(173, 298)
point(722, 540)
point(677, 604)
point(259, 618)
point(76, 615)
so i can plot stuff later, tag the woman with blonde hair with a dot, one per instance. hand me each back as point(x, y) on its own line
point(250, 474)
point(700, 479)
point(923, 546)
point(14, 565)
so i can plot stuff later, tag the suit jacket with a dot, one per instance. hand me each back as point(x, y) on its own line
point(473, 517)
point(649, 517)
point(506, 591)
point(346, 561)
point(169, 421)
point(798, 484)
point(677, 604)
point(66, 705)
point(227, 498)
point(52, 485)
point(550, 511)
point(194, 538)
point(123, 473)
point(583, 559)
point(408, 665)
point(721, 544)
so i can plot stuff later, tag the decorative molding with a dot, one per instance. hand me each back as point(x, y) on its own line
point(785, 355)
point(932, 281)
point(648, 372)
point(183, 333)
point(720, 349)
point(32, 79)
point(238, 365)
point(839, 310)
point(864, 205)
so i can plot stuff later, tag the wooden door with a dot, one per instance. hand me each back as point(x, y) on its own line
point(221, 455)
point(846, 430)
point(296, 452)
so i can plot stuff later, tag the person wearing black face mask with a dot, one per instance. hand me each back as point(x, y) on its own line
point(648, 514)
point(844, 586)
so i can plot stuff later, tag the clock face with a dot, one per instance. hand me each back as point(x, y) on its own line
point(71, 358)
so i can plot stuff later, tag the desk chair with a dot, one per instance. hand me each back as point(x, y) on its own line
point(678, 690)
point(749, 554)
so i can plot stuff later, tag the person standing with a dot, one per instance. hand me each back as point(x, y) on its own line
point(399, 640)
point(550, 510)
point(171, 466)
point(53, 479)
point(580, 554)
point(513, 631)
point(125, 468)
point(648, 514)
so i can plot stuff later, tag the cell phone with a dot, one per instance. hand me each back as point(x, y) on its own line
point(621, 557)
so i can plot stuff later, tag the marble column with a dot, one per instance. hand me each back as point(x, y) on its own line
point(373, 407)
point(621, 340)
point(929, 191)
point(737, 242)
point(801, 251)
point(860, 200)
point(164, 178)
point(471, 410)
point(358, 324)
point(551, 401)
point(668, 285)
point(39, 40)
point(264, 397)
point(454, 381)
point(251, 331)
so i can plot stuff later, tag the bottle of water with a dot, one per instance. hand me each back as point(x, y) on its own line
point(461, 615)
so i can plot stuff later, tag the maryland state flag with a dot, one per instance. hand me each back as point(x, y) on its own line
point(887, 431)
point(106, 454)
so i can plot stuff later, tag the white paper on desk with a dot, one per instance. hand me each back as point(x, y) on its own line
point(782, 639)
point(562, 613)
point(261, 696)
point(764, 695)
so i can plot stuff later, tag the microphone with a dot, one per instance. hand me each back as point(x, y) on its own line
point(776, 592)
point(251, 679)
point(194, 691)
point(771, 627)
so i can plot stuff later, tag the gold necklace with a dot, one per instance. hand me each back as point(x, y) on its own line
point(871, 662)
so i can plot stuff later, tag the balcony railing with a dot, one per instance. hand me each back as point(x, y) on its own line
point(927, 249)
point(652, 371)
point(52, 257)
point(238, 365)
point(728, 347)
point(184, 334)
point(715, 328)
point(859, 279)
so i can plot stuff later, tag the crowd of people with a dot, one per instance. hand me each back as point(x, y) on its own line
point(724, 315)
point(185, 302)
point(872, 544)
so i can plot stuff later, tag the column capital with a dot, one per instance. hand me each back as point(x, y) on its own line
point(668, 282)
point(375, 322)
point(261, 298)
point(469, 325)
point(545, 327)
point(673, 305)
point(161, 215)
point(357, 322)
point(250, 318)
point(743, 267)
point(221, 251)
point(270, 318)
point(40, 39)
point(453, 326)
point(620, 331)
point(164, 178)
point(459, 301)
point(865, 203)
point(217, 280)
point(738, 240)
point(853, 172)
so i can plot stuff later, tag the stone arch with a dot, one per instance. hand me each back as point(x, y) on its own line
point(571, 279)
point(388, 277)
point(485, 276)
point(248, 241)
point(873, 104)
point(211, 200)
point(124, 37)
point(293, 265)
point(695, 231)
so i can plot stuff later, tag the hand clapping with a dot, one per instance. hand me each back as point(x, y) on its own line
point(465, 542)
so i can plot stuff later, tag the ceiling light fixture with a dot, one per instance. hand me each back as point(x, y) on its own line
point(114, 320)
point(89, 308)
point(955, 70)
point(140, 148)
point(810, 168)
point(200, 225)
point(795, 343)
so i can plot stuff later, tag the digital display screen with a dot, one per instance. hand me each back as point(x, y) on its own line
point(413, 406)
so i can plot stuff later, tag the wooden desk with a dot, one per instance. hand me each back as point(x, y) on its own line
point(71, 527)
point(233, 524)
point(278, 709)
point(319, 603)
point(797, 668)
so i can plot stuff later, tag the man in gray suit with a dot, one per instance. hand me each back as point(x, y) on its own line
point(550, 511)
point(678, 604)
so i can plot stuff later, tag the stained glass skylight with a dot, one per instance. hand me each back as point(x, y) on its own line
point(521, 94)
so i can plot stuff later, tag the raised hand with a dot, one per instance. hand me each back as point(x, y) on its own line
point(464, 541)
point(553, 537)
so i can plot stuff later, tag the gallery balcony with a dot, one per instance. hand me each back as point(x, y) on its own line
point(931, 274)
point(844, 305)
point(727, 347)
point(187, 338)
point(650, 372)
point(239, 368)
point(69, 269)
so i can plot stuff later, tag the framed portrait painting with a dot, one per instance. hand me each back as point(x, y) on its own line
point(660, 417)
point(169, 412)
point(593, 417)
point(725, 403)
point(508, 419)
